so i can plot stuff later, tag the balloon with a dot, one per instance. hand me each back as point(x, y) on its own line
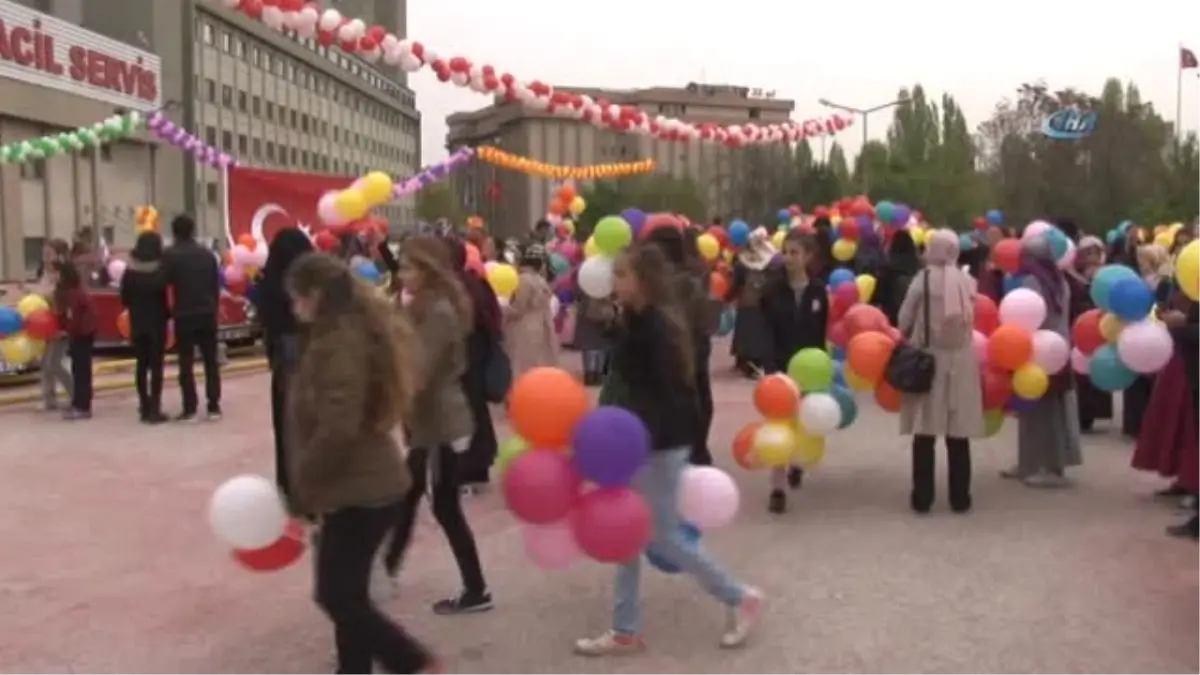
point(636, 219)
point(743, 446)
point(809, 451)
point(1030, 382)
point(995, 217)
point(1104, 280)
point(739, 233)
point(691, 538)
point(844, 250)
point(820, 413)
point(848, 407)
point(350, 205)
point(367, 271)
point(657, 220)
point(610, 445)
point(1110, 327)
point(541, 486)
point(979, 344)
point(596, 277)
point(577, 206)
point(1010, 347)
point(855, 381)
point(996, 386)
point(327, 210)
point(1187, 270)
point(116, 270)
point(811, 369)
point(510, 449)
point(867, 355)
point(612, 235)
point(773, 444)
point(718, 286)
point(993, 421)
point(11, 321)
point(776, 397)
point(987, 315)
point(281, 554)
point(612, 524)
point(708, 247)
point(708, 497)
point(1035, 228)
point(866, 287)
point(241, 256)
point(551, 547)
point(1144, 347)
point(41, 325)
point(1080, 362)
point(19, 350)
point(1024, 308)
point(504, 279)
point(544, 406)
point(376, 188)
point(1107, 372)
point(840, 276)
point(31, 303)
point(1050, 351)
point(888, 397)
point(1131, 299)
point(246, 512)
point(861, 318)
point(1086, 332)
point(727, 322)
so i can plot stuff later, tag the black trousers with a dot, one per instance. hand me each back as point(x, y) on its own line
point(345, 554)
point(149, 350)
point(700, 452)
point(475, 466)
point(447, 509)
point(279, 380)
point(958, 456)
point(192, 333)
point(79, 350)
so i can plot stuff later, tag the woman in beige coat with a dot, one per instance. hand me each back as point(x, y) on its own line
point(954, 407)
point(528, 326)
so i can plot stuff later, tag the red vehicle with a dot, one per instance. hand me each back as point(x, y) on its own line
point(235, 319)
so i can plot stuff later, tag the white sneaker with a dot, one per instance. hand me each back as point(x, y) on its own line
point(744, 618)
point(611, 643)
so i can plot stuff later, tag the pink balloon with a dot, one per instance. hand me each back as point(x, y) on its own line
point(1080, 361)
point(846, 292)
point(570, 250)
point(551, 547)
point(1050, 351)
point(1023, 307)
point(116, 269)
point(612, 524)
point(234, 274)
point(979, 342)
point(327, 210)
point(1145, 347)
point(708, 497)
point(1035, 228)
point(541, 486)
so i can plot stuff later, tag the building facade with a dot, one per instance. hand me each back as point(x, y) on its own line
point(513, 201)
point(269, 99)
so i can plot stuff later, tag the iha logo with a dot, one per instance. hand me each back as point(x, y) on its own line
point(1069, 124)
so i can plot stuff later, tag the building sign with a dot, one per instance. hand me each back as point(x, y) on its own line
point(1069, 124)
point(42, 50)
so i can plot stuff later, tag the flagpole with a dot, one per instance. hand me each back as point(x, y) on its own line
point(1178, 93)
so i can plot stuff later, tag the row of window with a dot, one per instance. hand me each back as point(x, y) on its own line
point(281, 155)
point(36, 169)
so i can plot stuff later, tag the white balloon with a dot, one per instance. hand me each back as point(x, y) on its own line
point(330, 20)
point(596, 276)
point(116, 270)
point(246, 513)
point(272, 17)
point(242, 256)
point(1035, 228)
point(1023, 307)
point(259, 254)
point(1145, 347)
point(1080, 362)
point(708, 497)
point(306, 28)
point(820, 414)
point(1050, 351)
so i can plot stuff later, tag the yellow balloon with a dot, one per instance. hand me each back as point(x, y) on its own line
point(774, 443)
point(376, 188)
point(503, 279)
point(1111, 327)
point(1187, 270)
point(918, 235)
point(1030, 382)
point(844, 250)
point(31, 303)
point(809, 450)
point(590, 249)
point(856, 381)
point(866, 287)
point(728, 255)
point(1165, 239)
point(569, 226)
point(19, 349)
point(578, 206)
point(350, 204)
point(777, 239)
point(835, 219)
point(708, 246)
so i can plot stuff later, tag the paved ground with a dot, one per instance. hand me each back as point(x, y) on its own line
point(108, 566)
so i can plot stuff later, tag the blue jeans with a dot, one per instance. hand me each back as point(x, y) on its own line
point(658, 483)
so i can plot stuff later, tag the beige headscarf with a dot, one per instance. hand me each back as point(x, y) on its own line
point(1154, 263)
point(941, 254)
point(758, 251)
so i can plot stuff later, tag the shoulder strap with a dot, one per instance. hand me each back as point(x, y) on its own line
point(925, 308)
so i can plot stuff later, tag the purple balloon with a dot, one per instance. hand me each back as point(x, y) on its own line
point(610, 445)
point(224, 160)
point(168, 127)
point(155, 120)
point(900, 215)
point(1019, 405)
point(636, 219)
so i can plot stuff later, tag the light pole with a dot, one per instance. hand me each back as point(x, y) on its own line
point(863, 113)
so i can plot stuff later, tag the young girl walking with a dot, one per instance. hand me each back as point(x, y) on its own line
point(654, 357)
point(77, 316)
point(796, 306)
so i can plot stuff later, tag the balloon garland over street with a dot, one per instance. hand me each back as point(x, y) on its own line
point(507, 160)
point(109, 130)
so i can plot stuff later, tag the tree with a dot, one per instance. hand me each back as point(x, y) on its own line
point(652, 193)
point(439, 201)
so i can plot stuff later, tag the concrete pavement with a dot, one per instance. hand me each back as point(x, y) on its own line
point(108, 565)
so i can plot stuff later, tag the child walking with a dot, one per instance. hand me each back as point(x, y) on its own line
point(52, 372)
point(77, 316)
point(796, 306)
point(652, 353)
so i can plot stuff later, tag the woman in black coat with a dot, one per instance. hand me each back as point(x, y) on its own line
point(282, 332)
point(144, 296)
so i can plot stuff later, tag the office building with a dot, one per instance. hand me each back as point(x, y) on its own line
point(512, 202)
point(269, 99)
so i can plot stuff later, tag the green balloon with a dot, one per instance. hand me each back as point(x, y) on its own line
point(811, 369)
point(612, 234)
point(510, 449)
point(993, 421)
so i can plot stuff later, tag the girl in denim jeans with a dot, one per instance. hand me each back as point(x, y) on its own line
point(652, 358)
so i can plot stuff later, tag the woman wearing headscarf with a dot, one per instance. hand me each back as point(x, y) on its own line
point(282, 332)
point(1094, 404)
point(528, 326)
point(902, 264)
point(953, 408)
point(1048, 440)
point(751, 334)
point(1154, 266)
point(1185, 329)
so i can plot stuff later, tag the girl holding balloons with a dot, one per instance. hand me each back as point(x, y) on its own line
point(653, 357)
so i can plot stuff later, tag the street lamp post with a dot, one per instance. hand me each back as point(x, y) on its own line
point(864, 114)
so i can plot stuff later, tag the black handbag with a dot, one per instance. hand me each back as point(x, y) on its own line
point(910, 369)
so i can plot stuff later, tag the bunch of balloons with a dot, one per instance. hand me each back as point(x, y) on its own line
point(145, 219)
point(847, 290)
point(340, 207)
point(610, 236)
point(1187, 270)
point(246, 257)
point(24, 330)
point(567, 201)
point(868, 340)
point(247, 514)
point(1119, 339)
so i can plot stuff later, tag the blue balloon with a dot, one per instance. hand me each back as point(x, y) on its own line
point(565, 296)
point(1131, 299)
point(367, 271)
point(1011, 283)
point(1103, 282)
point(1019, 405)
point(840, 276)
point(691, 537)
point(558, 264)
point(995, 217)
point(847, 403)
point(1107, 372)
point(10, 321)
point(636, 219)
point(885, 211)
point(1059, 242)
point(252, 295)
point(839, 371)
point(965, 242)
point(728, 321)
point(1113, 236)
point(784, 216)
point(1124, 226)
point(739, 233)
point(837, 353)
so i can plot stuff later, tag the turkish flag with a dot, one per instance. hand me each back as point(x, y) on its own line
point(263, 202)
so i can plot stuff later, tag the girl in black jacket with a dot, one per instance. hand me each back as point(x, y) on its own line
point(144, 295)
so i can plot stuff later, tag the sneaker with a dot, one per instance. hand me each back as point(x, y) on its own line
point(213, 415)
point(155, 418)
point(743, 619)
point(464, 603)
point(185, 417)
point(77, 414)
point(610, 643)
point(777, 502)
point(795, 477)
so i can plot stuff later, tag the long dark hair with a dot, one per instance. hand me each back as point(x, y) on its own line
point(147, 248)
point(652, 271)
point(484, 305)
point(69, 279)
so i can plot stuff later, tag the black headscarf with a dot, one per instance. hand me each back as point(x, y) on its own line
point(274, 306)
point(483, 300)
point(902, 254)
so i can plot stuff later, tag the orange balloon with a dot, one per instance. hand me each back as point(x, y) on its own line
point(867, 354)
point(776, 397)
point(556, 209)
point(248, 241)
point(566, 193)
point(226, 258)
point(1009, 347)
point(544, 406)
point(862, 318)
point(888, 397)
point(718, 286)
point(123, 324)
point(743, 446)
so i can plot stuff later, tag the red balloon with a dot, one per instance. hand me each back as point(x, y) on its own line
point(287, 550)
point(861, 318)
point(837, 334)
point(846, 293)
point(326, 241)
point(657, 220)
point(611, 525)
point(987, 315)
point(1086, 332)
point(981, 223)
point(997, 387)
point(41, 325)
point(541, 486)
point(1006, 255)
point(720, 234)
point(848, 229)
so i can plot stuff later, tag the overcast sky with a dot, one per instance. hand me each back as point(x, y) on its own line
point(806, 50)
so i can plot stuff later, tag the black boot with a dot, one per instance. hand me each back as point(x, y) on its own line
point(921, 499)
point(958, 456)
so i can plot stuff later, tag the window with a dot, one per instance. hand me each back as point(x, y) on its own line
point(33, 254)
point(257, 144)
point(292, 114)
point(227, 96)
point(210, 136)
point(304, 122)
point(109, 233)
point(241, 101)
point(206, 33)
point(270, 151)
point(337, 133)
point(210, 89)
point(304, 159)
point(227, 141)
point(210, 192)
point(324, 128)
point(255, 56)
point(242, 144)
point(295, 155)
point(35, 170)
point(256, 105)
point(226, 41)
point(270, 111)
point(337, 166)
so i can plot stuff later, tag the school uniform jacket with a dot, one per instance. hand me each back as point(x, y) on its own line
point(796, 318)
